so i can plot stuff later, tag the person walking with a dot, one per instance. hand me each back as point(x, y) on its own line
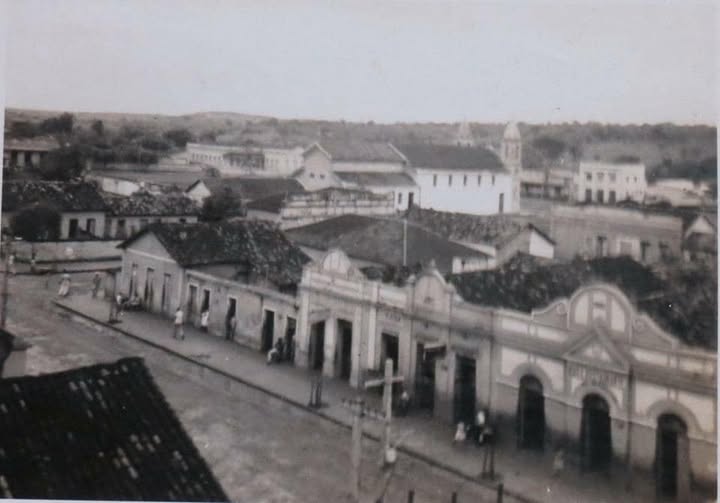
point(96, 285)
point(204, 320)
point(11, 264)
point(178, 332)
point(64, 285)
point(230, 329)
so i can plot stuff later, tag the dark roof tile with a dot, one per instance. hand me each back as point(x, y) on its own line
point(257, 246)
point(65, 196)
point(146, 204)
point(100, 432)
point(380, 240)
point(448, 157)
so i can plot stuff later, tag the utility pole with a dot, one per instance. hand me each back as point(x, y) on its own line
point(357, 406)
point(405, 242)
point(6, 260)
point(386, 382)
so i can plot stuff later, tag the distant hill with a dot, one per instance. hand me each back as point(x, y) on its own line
point(544, 144)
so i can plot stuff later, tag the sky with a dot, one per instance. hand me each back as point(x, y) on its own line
point(634, 61)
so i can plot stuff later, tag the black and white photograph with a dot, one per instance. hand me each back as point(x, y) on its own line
point(300, 251)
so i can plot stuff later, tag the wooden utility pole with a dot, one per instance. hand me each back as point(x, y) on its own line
point(6, 260)
point(386, 382)
point(357, 447)
point(357, 406)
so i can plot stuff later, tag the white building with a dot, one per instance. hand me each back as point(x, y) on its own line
point(461, 179)
point(247, 159)
point(603, 182)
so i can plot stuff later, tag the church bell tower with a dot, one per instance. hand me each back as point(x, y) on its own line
point(511, 157)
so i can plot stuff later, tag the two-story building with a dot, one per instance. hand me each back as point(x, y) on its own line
point(245, 160)
point(603, 182)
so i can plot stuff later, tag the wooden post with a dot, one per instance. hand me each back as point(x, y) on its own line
point(500, 491)
point(386, 382)
point(357, 448)
point(6, 259)
point(411, 496)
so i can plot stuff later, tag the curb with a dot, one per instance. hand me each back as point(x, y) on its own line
point(318, 412)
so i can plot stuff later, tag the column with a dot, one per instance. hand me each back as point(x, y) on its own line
point(302, 334)
point(330, 343)
point(358, 336)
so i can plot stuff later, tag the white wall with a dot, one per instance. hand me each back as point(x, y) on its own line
point(627, 180)
point(379, 167)
point(539, 247)
point(473, 198)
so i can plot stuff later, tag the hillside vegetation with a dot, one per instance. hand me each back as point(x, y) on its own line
point(668, 150)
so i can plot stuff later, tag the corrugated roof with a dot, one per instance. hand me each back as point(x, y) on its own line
point(103, 432)
point(376, 179)
point(381, 241)
point(257, 246)
point(65, 196)
point(359, 151)
point(452, 158)
point(146, 204)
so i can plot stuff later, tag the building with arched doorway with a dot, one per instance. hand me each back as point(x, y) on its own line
point(587, 372)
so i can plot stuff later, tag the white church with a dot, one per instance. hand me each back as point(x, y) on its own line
point(465, 178)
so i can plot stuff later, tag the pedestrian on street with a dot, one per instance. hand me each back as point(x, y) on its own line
point(230, 329)
point(204, 320)
point(460, 433)
point(11, 263)
point(178, 332)
point(64, 285)
point(96, 285)
point(480, 428)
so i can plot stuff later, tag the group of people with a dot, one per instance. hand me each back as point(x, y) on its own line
point(479, 432)
point(281, 352)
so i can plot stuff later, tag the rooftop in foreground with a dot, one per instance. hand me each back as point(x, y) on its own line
point(100, 432)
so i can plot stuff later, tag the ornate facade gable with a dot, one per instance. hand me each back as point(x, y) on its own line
point(597, 349)
point(608, 306)
point(337, 263)
point(431, 291)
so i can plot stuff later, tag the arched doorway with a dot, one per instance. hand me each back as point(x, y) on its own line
point(530, 414)
point(671, 457)
point(595, 434)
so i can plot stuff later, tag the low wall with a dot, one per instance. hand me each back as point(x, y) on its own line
point(67, 251)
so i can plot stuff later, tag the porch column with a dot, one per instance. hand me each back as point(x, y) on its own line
point(358, 337)
point(330, 344)
point(302, 335)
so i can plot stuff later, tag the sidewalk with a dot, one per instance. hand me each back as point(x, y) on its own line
point(526, 476)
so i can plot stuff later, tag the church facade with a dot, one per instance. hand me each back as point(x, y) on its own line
point(588, 374)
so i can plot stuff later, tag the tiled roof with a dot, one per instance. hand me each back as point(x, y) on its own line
point(253, 188)
point(448, 157)
point(100, 432)
point(31, 144)
point(257, 246)
point(490, 229)
point(376, 179)
point(525, 283)
point(65, 196)
point(359, 151)
point(146, 204)
point(380, 241)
